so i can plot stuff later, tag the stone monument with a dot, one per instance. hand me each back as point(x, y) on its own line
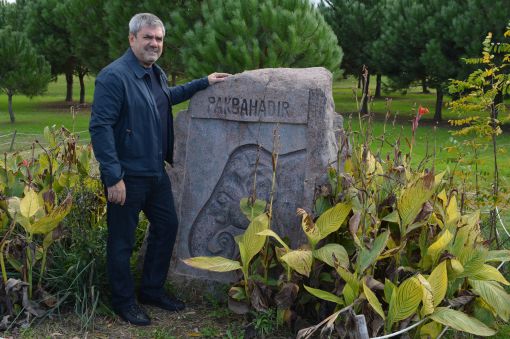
point(224, 146)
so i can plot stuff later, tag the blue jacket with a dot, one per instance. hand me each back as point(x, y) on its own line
point(125, 126)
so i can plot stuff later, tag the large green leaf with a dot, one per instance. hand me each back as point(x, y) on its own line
point(498, 256)
point(373, 301)
point(438, 280)
point(333, 255)
point(331, 220)
point(300, 261)
point(389, 288)
point(488, 272)
point(350, 278)
point(215, 264)
point(404, 300)
point(368, 257)
point(251, 211)
point(251, 241)
point(472, 259)
point(461, 322)
point(271, 233)
point(412, 199)
point(494, 295)
point(324, 295)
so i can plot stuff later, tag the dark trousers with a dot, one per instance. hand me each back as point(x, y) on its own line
point(153, 196)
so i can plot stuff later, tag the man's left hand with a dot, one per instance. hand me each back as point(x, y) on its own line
point(217, 77)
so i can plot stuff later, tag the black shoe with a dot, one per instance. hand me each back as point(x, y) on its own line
point(134, 314)
point(165, 302)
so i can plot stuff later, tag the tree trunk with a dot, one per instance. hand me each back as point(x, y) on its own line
point(439, 104)
point(424, 88)
point(69, 82)
point(81, 75)
point(174, 78)
point(378, 83)
point(365, 97)
point(9, 100)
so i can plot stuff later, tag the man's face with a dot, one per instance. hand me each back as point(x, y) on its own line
point(147, 45)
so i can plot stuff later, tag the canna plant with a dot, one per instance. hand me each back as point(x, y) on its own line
point(36, 197)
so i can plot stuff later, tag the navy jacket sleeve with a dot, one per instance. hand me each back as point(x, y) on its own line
point(184, 92)
point(106, 108)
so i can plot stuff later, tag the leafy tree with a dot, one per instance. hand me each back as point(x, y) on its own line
point(356, 24)
point(22, 70)
point(87, 43)
point(11, 14)
point(47, 29)
point(236, 35)
point(427, 40)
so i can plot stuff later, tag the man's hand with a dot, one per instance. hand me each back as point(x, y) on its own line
point(117, 193)
point(217, 77)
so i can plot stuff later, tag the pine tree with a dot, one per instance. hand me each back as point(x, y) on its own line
point(233, 36)
point(46, 27)
point(22, 70)
point(356, 24)
point(427, 40)
point(88, 44)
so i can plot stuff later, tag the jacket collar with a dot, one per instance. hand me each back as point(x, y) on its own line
point(138, 69)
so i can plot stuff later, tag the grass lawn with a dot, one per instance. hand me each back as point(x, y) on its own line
point(32, 115)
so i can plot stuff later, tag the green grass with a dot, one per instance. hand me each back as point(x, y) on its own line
point(32, 115)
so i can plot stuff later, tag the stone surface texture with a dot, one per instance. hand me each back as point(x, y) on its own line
point(224, 143)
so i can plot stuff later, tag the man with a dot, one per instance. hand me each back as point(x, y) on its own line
point(131, 128)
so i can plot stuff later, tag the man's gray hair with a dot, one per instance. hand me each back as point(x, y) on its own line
point(141, 20)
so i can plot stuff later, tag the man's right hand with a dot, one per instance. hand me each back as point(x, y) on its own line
point(117, 193)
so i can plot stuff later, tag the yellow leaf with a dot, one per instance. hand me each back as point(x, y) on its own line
point(427, 297)
point(333, 255)
point(51, 220)
point(442, 196)
point(271, 233)
point(438, 178)
point(404, 300)
point(452, 212)
point(488, 272)
point(439, 245)
point(456, 268)
point(331, 220)
point(215, 264)
point(494, 295)
point(300, 261)
point(373, 301)
point(309, 227)
point(438, 280)
point(30, 203)
point(430, 330)
point(251, 241)
point(348, 167)
point(412, 199)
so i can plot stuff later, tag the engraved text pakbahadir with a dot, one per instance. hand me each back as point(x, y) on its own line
point(228, 106)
